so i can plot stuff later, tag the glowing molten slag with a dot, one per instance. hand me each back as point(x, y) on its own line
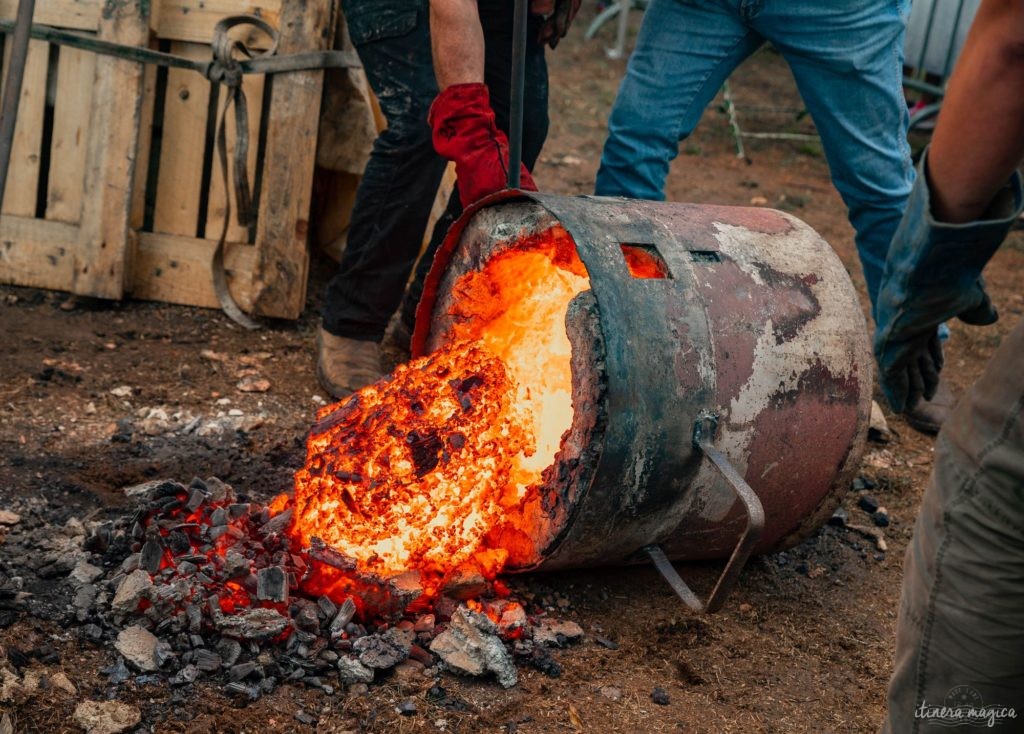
point(420, 471)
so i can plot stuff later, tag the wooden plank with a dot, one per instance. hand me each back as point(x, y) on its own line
point(177, 270)
point(23, 174)
point(193, 20)
point(179, 20)
point(82, 15)
point(110, 155)
point(179, 181)
point(73, 105)
point(37, 253)
point(145, 147)
point(283, 230)
point(252, 85)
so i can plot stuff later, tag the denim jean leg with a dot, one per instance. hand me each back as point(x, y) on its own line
point(397, 191)
point(684, 53)
point(847, 58)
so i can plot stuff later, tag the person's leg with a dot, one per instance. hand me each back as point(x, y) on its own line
point(847, 58)
point(981, 139)
point(684, 53)
point(398, 187)
point(960, 634)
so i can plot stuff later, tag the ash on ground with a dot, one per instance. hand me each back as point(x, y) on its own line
point(191, 583)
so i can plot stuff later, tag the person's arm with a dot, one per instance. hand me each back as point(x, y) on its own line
point(967, 196)
point(461, 116)
point(457, 41)
point(979, 139)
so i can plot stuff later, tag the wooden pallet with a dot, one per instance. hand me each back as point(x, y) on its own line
point(113, 188)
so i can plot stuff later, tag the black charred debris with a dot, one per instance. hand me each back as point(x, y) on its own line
point(193, 583)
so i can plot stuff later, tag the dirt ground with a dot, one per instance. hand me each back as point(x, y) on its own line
point(804, 644)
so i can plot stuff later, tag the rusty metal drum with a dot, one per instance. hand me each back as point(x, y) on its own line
point(753, 328)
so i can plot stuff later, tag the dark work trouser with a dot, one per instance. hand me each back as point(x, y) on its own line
point(400, 182)
point(960, 635)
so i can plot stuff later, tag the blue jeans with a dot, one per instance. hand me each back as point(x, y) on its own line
point(847, 59)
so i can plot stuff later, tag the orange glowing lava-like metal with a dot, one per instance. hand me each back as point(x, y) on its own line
point(419, 471)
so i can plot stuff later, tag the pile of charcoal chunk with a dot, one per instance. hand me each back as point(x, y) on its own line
point(194, 584)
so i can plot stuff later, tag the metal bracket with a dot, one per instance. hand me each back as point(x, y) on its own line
point(704, 430)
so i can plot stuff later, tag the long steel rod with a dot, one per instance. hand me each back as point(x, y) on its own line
point(515, 114)
point(12, 89)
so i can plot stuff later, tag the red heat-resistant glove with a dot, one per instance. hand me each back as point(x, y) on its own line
point(465, 132)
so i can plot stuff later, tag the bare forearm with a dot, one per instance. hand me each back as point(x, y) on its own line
point(979, 139)
point(457, 41)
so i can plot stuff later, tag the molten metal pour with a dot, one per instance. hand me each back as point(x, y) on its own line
point(428, 469)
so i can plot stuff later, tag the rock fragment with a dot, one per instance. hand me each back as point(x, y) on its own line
point(557, 633)
point(83, 601)
point(253, 624)
point(85, 573)
point(867, 503)
point(465, 584)
point(383, 651)
point(133, 589)
point(612, 693)
point(117, 673)
point(839, 518)
point(106, 717)
point(138, 645)
point(878, 428)
point(61, 682)
point(350, 670)
point(471, 646)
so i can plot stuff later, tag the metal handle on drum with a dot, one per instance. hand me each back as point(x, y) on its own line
point(702, 438)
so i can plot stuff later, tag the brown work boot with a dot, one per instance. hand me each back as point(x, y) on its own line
point(929, 415)
point(345, 365)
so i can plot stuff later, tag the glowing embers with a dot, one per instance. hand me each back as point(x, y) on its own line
point(426, 471)
point(644, 261)
point(413, 471)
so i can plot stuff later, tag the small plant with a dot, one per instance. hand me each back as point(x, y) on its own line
point(811, 148)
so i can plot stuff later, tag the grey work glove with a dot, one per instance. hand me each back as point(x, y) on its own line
point(933, 273)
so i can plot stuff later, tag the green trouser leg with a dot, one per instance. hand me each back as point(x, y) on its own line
point(960, 635)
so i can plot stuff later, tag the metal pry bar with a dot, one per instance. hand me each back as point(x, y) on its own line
point(515, 116)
